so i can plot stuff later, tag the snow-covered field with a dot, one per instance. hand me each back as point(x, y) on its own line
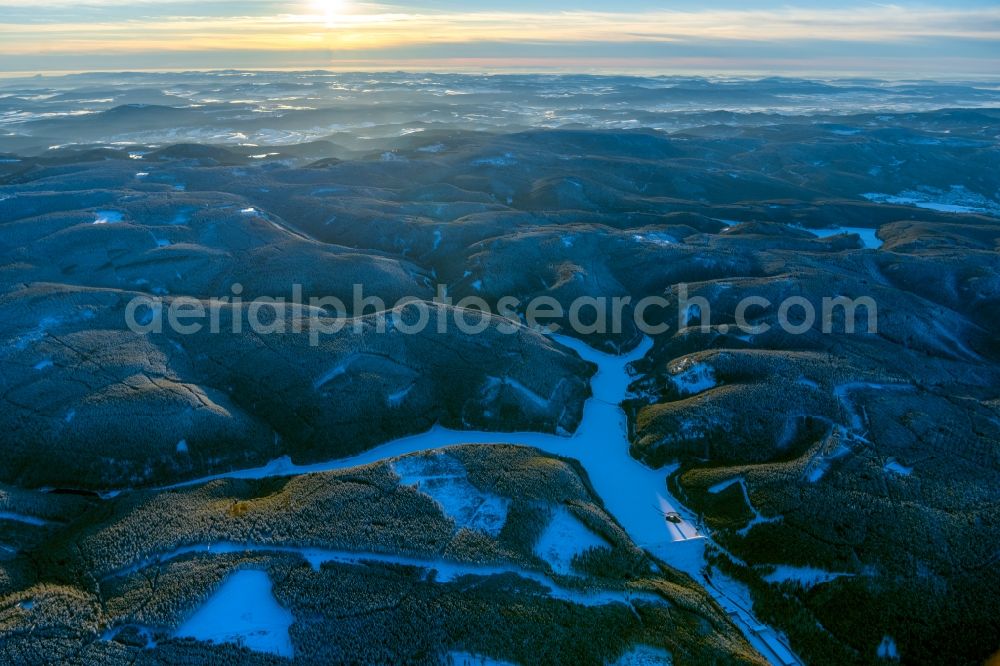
point(444, 479)
point(957, 199)
point(564, 538)
point(243, 611)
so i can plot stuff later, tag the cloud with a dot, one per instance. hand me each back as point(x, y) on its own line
point(130, 26)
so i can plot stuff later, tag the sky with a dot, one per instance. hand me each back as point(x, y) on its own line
point(940, 39)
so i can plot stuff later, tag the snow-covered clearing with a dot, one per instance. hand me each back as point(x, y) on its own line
point(694, 378)
point(243, 611)
point(443, 478)
point(108, 217)
point(470, 659)
point(897, 467)
point(494, 383)
point(887, 648)
point(564, 538)
point(957, 199)
point(644, 655)
point(334, 372)
point(145, 632)
point(654, 238)
point(806, 576)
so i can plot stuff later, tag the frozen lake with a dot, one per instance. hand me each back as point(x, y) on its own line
point(634, 494)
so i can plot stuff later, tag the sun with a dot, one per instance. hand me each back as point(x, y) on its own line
point(330, 10)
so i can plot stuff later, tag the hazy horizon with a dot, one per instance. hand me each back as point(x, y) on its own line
point(498, 71)
point(808, 38)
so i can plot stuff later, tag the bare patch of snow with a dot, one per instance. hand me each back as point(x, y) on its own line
point(693, 378)
point(806, 576)
point(334, 372)
point(494, 383)
point(887, 648)
point(564, 538)
point(722, 485)
point(958, 199)
point(654, 238)
point(507, 159)
point(443, 479)
point(145, 632)
point(108, 217)
point(896, 467)
point(243, 611)
point(644, 655)
point(37, 333)
point(396, 399)
point(470, 659)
